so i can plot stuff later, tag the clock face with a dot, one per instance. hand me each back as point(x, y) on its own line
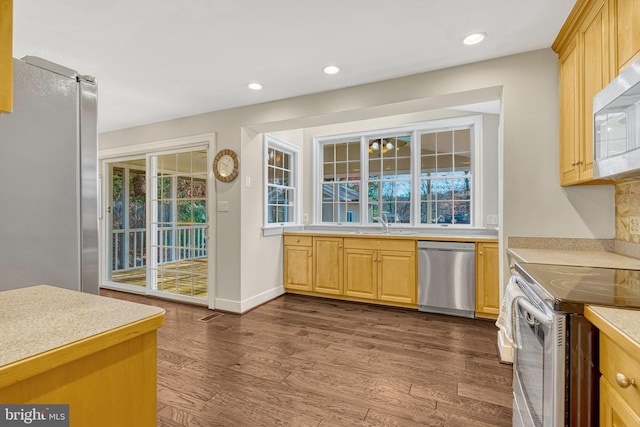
point(225, 165)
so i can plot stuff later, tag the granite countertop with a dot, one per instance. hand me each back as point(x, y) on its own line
point(444, 233)
point(40, 318)
point(578, 258)
point(622, 325)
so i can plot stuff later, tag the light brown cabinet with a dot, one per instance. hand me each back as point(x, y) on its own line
point(626, 26)
point(327, 265)
point(487, 280)
point(619, 399)
point(381, 269)
point(380, 274)
point(6, 56)
point(298, 263)
point(619, 364)
point(583, 48)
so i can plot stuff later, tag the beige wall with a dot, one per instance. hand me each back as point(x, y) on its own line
point(248, 265)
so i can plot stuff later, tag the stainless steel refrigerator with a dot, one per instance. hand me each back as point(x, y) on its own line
point(48, 179)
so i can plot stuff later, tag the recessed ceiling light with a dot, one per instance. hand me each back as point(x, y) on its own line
point(474, 38)
point(255, 86)
point(331, 69)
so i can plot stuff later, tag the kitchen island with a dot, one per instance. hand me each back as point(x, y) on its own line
point(96, 354)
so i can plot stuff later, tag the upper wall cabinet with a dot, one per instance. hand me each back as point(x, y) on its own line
point(598, 40)
point(6, 55)
point(626, 32)
point(583, 48)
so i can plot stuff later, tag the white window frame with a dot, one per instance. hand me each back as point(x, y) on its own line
point(272, 142)
point(473, 121)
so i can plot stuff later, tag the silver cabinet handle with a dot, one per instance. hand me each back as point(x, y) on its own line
point(624, 381)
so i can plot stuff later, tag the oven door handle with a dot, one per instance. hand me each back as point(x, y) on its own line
point(532, 314)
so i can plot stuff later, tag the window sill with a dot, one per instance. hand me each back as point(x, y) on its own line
point(278, 230)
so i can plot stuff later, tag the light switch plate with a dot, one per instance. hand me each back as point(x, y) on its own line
point(492, 219)
point(223, 206)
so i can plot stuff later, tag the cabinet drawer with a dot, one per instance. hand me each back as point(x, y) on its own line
point(613, 361)
point(298, 240)
point(380, 244)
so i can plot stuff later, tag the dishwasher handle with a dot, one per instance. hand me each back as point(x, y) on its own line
point(446, 246)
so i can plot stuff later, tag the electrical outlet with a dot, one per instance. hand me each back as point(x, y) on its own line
point(634, 225)
point(305, 218)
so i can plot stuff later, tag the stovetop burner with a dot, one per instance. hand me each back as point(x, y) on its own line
point(570, 287)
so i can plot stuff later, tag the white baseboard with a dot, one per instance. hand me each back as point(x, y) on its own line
point(504, 348)
point(246, 305)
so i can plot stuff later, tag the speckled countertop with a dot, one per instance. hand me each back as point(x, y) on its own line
point(40, 318)
point(603, 259)
point(621, 325)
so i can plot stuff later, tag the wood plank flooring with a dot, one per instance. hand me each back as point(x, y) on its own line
point(305, 361)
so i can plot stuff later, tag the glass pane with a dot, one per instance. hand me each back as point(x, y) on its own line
point(444, 162)
point(462, 189)
point(462, 162)
point(327, 153)
point(286, 161)
point(200, 211)
point(271, 214)
point(279, 176)
point(286, 178)
point(328, 172)
point(445, 142)
point(199, 188)
point(327, 212)
point(403, 212)
point(354, 150)
point(427, 144)
point(328, 194)
point(164, 187)
point(462, 212)
point(341, 152)
point(354, 170)
point(388, 194)
point(462, 140)
point(117, 201)
point(428, 164)
point(185, 189)
point(389, 166)
point(353, 192)
point(184, 162)
point(184, 212)
point(341, 171)
point(444, 212)
point(375, 168)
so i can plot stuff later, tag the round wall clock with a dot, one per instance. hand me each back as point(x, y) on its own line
point(225, 165)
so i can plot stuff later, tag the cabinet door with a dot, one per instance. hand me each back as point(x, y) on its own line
point(487, 281)
point(569, 116)
point(298, 268)
point(614, 412)
point(397, 277)
point(361, 271)
point(327, 265)
point(627, 31)
point(595, 65)
point(6, 55)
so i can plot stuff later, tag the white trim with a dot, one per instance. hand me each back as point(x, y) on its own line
point(270, 141)
point(246, 305)
point(144, 151)
point(168, 144)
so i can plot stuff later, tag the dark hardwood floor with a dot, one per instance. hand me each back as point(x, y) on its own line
point(304, 361)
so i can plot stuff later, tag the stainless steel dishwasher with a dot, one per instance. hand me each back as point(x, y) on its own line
point(447, 278)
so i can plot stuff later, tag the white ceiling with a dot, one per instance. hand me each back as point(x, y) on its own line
point(158, 59)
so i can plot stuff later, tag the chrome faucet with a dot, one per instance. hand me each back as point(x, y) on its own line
point(384, 221)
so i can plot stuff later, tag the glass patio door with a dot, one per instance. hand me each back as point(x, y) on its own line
point(127, 223)
point(178, 230)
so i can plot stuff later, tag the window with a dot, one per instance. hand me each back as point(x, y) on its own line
point(445, 177)
point(420, 175)
point(341, 181)
point(281, 185)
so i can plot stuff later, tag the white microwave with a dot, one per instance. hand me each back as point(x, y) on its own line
point(616, 127)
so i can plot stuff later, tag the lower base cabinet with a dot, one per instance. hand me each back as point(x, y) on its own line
point(487, 280)
point(376, 270)
point(619, 398)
